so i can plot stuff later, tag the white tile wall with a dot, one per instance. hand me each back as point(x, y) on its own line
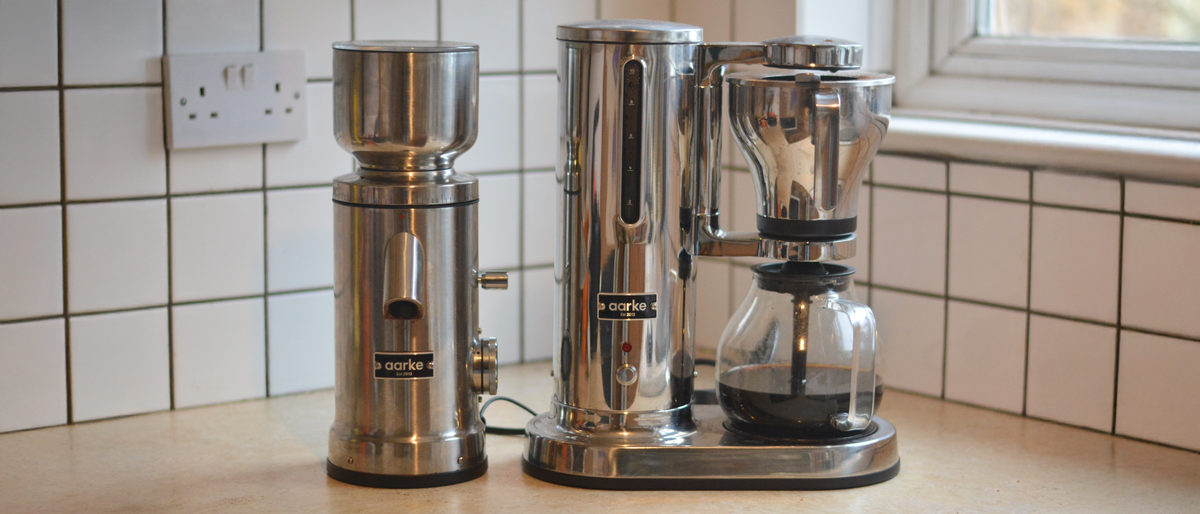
point(989, 250)
point(909, 172)
point(500, 317)
point(1076, 256)
point(219, 353)
point(112, 42)
point(212, 26)
point(499, 219)
point(1155, 294)
point(1166, 200)
point(316, 159)
point(1076, 190)
point(118, 255)
point(912, 224)
point(1071, 371)
point(308, 25)
point(216, 246)
point(541, 121)
point(635, 9)
point(392, 19)
point(911, 342)
point(33, 374)
point(120, 364)
point(985, 356)
point(114, 143)
point(299, 238)
point(493, 25)
point(28, 43)
point(984, 180)
point(29, 157)
point(223, 168)
point(541, 18)
point(540, 217)
point(228, 347)
point(711, 15)
point(31, 252)
point(300, 353)
point(861, 262)
point(498, 146)
point(1157, 378)
point(540, 305)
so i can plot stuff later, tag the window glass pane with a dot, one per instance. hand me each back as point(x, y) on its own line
point(1110, 20)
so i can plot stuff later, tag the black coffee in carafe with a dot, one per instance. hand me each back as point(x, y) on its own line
point(798, 359)
point(760, 399)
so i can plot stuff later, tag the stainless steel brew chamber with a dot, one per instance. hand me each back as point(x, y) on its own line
point(410, 358)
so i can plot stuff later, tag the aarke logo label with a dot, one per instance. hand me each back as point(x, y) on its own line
point(627, 306)
point(403, 366)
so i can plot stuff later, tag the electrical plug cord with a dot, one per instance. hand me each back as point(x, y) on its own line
point(503, 430)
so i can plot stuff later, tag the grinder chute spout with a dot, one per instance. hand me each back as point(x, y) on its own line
point(404, 278)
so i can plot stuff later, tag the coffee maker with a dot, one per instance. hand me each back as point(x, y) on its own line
point(640, 107)
point(410, 358)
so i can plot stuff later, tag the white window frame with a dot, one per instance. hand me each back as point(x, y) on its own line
point(942, 64)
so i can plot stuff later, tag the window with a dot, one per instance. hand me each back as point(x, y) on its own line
point(1123, 62)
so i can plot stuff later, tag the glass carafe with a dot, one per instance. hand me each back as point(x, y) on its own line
point(798, 358)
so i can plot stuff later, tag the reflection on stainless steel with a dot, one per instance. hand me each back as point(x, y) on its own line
point(809, 137)
point(410, 360)
point(407, 105)
point(639, 109)
point(710, 456)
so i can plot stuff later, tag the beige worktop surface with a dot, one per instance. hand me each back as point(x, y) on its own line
point(268, 456)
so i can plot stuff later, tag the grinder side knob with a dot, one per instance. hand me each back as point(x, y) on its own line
point(483, 366)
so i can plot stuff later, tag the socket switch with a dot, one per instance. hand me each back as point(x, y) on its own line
point(234, 99)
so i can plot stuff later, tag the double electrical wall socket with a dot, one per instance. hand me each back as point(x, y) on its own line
point(234, 99)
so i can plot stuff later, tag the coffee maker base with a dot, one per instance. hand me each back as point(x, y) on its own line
point(404, 481)
point(711, 458)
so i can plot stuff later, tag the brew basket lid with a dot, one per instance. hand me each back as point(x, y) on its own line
point(630, 31)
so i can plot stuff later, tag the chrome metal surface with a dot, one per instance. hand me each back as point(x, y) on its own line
point(404, 278)
point(599, 253)
point(493, 279)
point(753, 244)
point(484, 370)
point(785, 129)
point(405, 105)
point(409, 364)
point(373, 187)
point(710, 451)
point(813, 52)
point(630, 31)
point(405, 426)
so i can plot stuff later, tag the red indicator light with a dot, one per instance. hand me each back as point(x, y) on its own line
point(626, 347)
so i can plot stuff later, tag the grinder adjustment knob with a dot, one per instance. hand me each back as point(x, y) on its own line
point(483, 366)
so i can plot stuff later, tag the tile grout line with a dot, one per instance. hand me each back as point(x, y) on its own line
point(439, 21)
point(1120, 291)
point(521, 180)
point(262, 20)
point(62, 198)
point(946, 286)
point(352, 27)
point(170, 247)
point(1028, 300)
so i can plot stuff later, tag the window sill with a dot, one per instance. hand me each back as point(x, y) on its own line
point(1161, 155)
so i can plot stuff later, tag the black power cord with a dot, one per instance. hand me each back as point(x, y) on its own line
point(503, 430)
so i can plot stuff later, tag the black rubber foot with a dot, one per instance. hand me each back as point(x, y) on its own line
point(709, 484)
point(404, 481)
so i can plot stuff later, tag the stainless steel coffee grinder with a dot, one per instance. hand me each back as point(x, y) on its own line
point(639, 126)
point(410, 356)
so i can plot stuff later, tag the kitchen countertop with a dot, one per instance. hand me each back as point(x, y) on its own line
point(269, 455)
